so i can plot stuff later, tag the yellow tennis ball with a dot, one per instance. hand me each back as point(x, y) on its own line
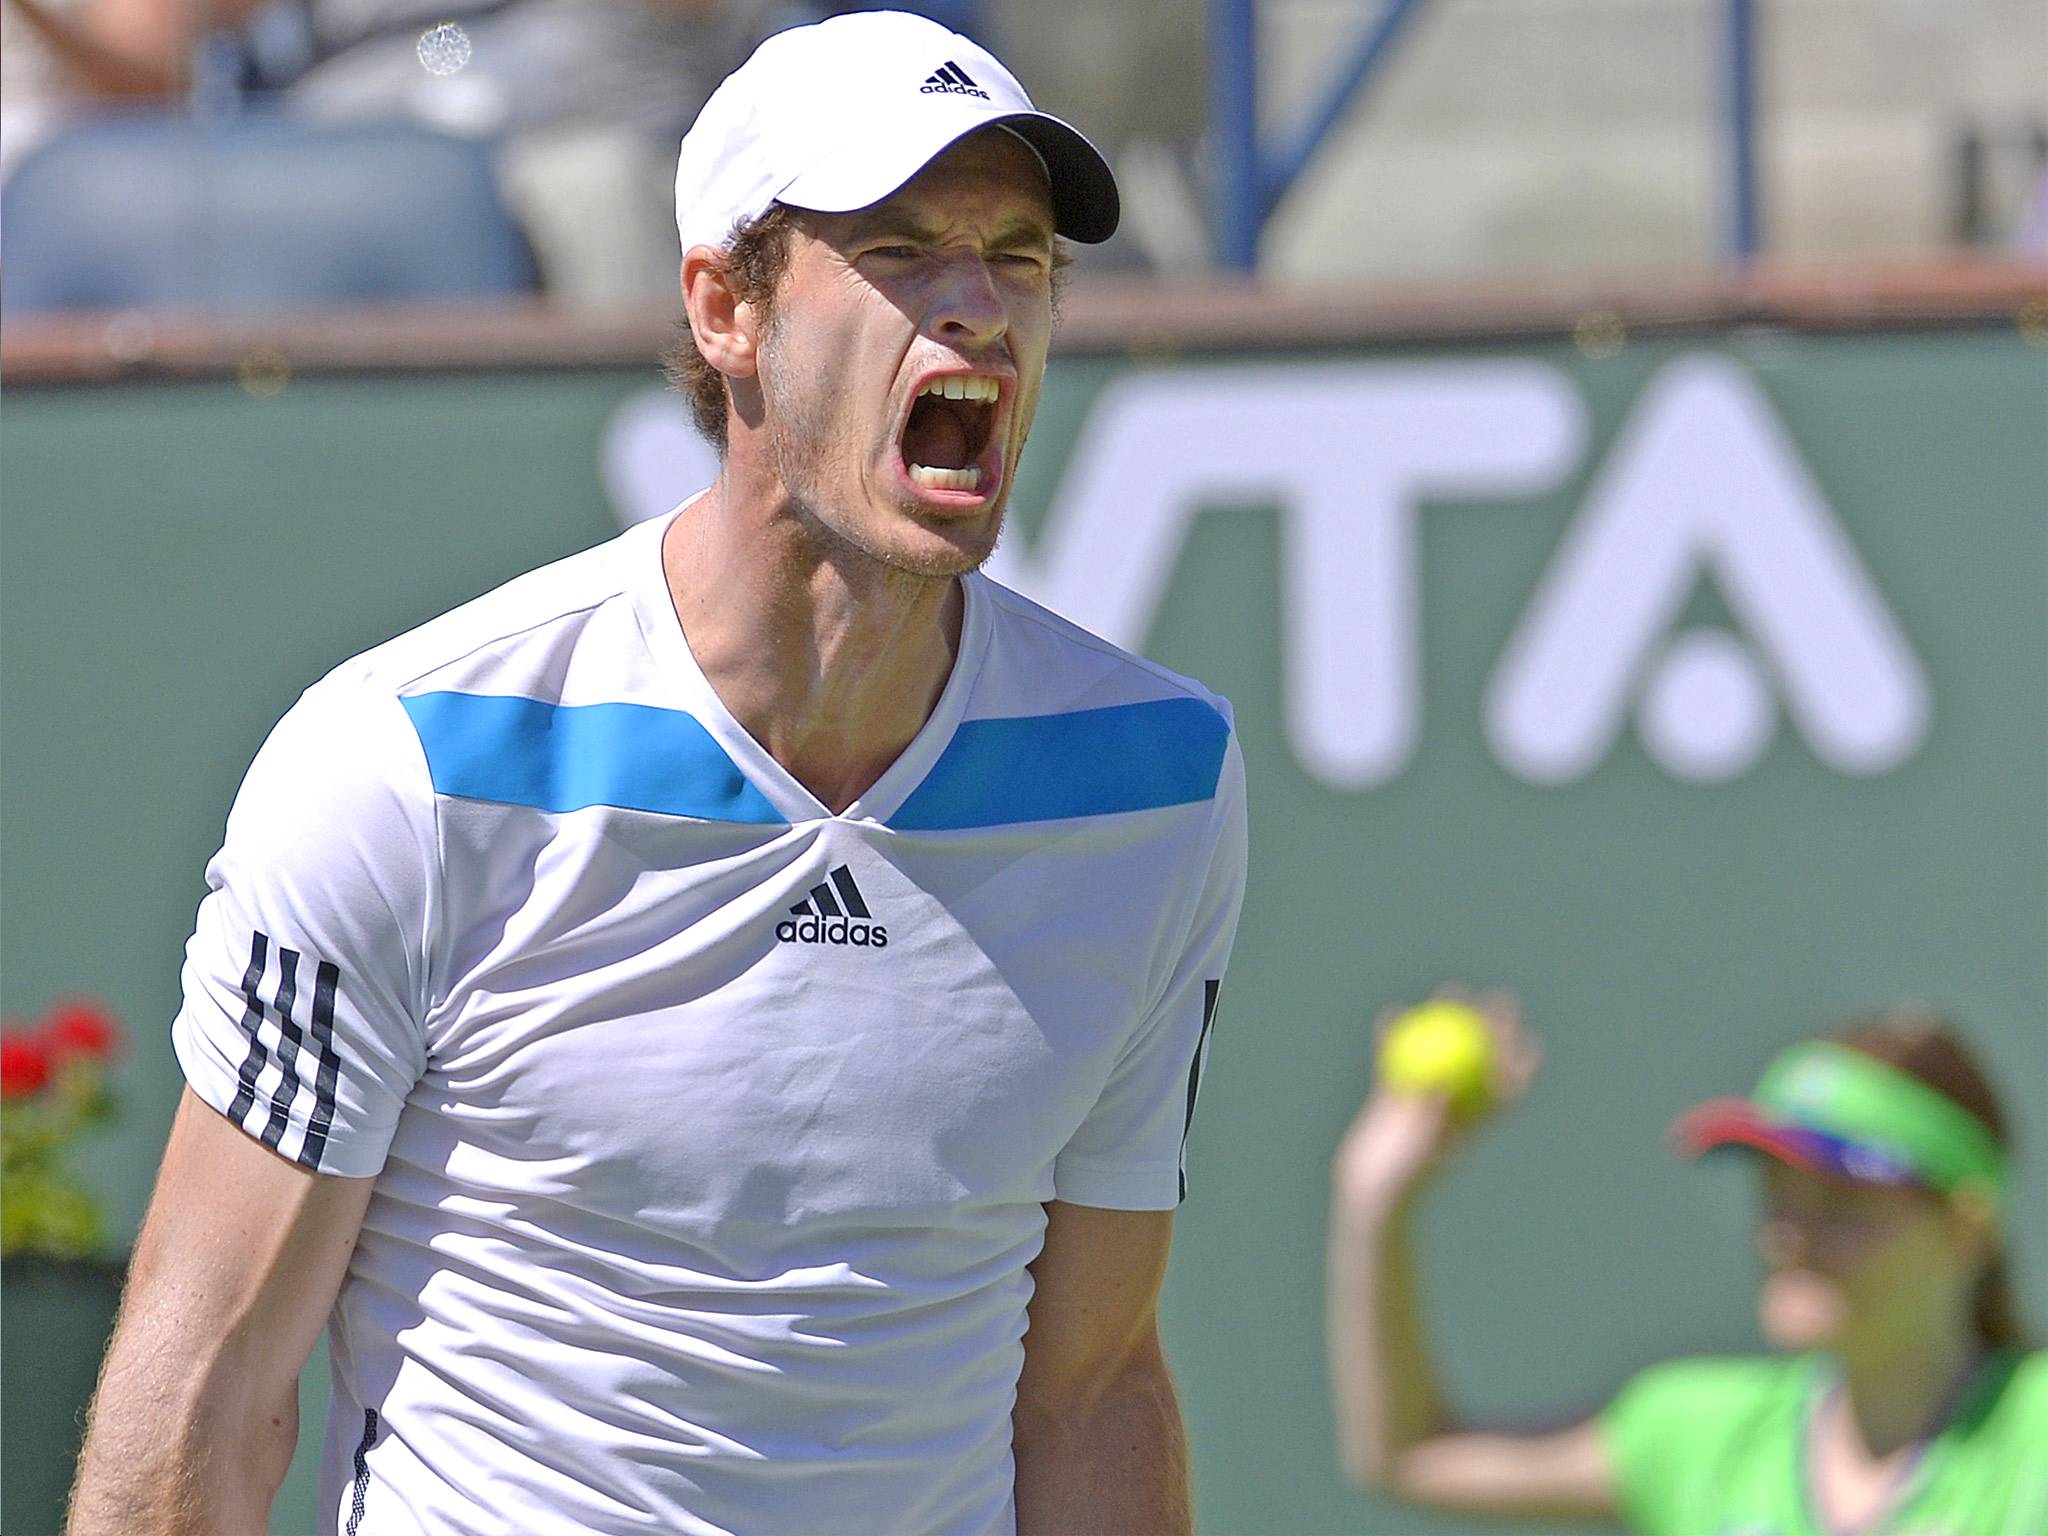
point(1441, 1047)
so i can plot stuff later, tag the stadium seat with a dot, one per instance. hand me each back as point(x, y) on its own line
point(254, 212)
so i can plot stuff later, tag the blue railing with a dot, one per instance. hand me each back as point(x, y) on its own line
point(1250, 178)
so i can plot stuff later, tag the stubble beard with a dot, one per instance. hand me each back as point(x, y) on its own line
point(799, 422)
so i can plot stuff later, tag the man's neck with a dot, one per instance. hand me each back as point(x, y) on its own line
point(829, 659)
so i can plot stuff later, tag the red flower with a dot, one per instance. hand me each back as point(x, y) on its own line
point(81, 1028)
point(24, 1065)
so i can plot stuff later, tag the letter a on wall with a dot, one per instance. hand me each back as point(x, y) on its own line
point(1704, 483)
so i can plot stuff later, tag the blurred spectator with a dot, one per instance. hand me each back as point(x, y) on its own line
point(585, 101)
point(34, 83)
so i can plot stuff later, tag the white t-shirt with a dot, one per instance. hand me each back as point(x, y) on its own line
point(711, 1131)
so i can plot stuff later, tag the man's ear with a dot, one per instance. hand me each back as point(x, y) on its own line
point(725, 326)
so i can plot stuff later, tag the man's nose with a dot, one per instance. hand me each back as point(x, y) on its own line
point(968, 309)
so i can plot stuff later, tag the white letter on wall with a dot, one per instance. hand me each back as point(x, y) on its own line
point(1703, 482)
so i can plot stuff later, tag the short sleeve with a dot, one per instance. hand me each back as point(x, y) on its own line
point(1130, 1153)
point(305, 977)
point(1672, 1428)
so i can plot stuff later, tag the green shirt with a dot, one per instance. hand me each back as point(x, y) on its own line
point(1718, 1448)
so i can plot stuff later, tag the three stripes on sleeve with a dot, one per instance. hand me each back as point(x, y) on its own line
point(303, 1054)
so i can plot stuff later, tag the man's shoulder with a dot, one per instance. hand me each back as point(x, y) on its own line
point(1040, 663)
point(496, 642)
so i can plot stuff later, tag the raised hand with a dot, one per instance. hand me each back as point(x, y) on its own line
point(1441, 1075)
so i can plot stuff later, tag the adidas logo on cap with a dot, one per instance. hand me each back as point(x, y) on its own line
point(951, 80)
point(834, 913)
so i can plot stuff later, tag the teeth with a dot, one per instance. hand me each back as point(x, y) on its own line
point(967, 479)
point(964, 386)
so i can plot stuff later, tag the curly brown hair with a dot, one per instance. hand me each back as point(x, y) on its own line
point(757, 260)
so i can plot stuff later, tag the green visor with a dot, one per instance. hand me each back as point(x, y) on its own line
point(1832, 1110)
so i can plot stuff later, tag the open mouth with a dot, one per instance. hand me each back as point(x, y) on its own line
point(951, 423)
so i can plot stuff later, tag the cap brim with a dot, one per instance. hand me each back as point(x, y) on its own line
point(1085, 204)
point(1738, 1123)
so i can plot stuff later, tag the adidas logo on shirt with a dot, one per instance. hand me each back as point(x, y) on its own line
point(834, 913)
point(952, 80)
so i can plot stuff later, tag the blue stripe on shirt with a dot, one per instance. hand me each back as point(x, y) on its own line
point(565, 757)
point(1091, 762)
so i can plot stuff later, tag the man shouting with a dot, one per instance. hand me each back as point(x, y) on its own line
point(711, 1027)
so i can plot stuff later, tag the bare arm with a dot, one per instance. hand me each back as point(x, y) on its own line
point(1394, 1432)
point(238, 1264)
point(1097, 1429)
point(138, 49)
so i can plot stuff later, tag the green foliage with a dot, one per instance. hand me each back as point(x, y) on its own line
point(43, 1209)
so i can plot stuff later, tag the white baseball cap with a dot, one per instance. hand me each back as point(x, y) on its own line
point(837, 115)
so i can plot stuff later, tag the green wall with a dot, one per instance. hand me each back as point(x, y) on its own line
point(179, 559)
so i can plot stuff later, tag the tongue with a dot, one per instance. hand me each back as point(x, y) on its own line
point(936, 435)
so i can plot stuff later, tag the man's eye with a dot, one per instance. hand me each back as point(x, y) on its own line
point(1018, 259)
point(894, 252)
